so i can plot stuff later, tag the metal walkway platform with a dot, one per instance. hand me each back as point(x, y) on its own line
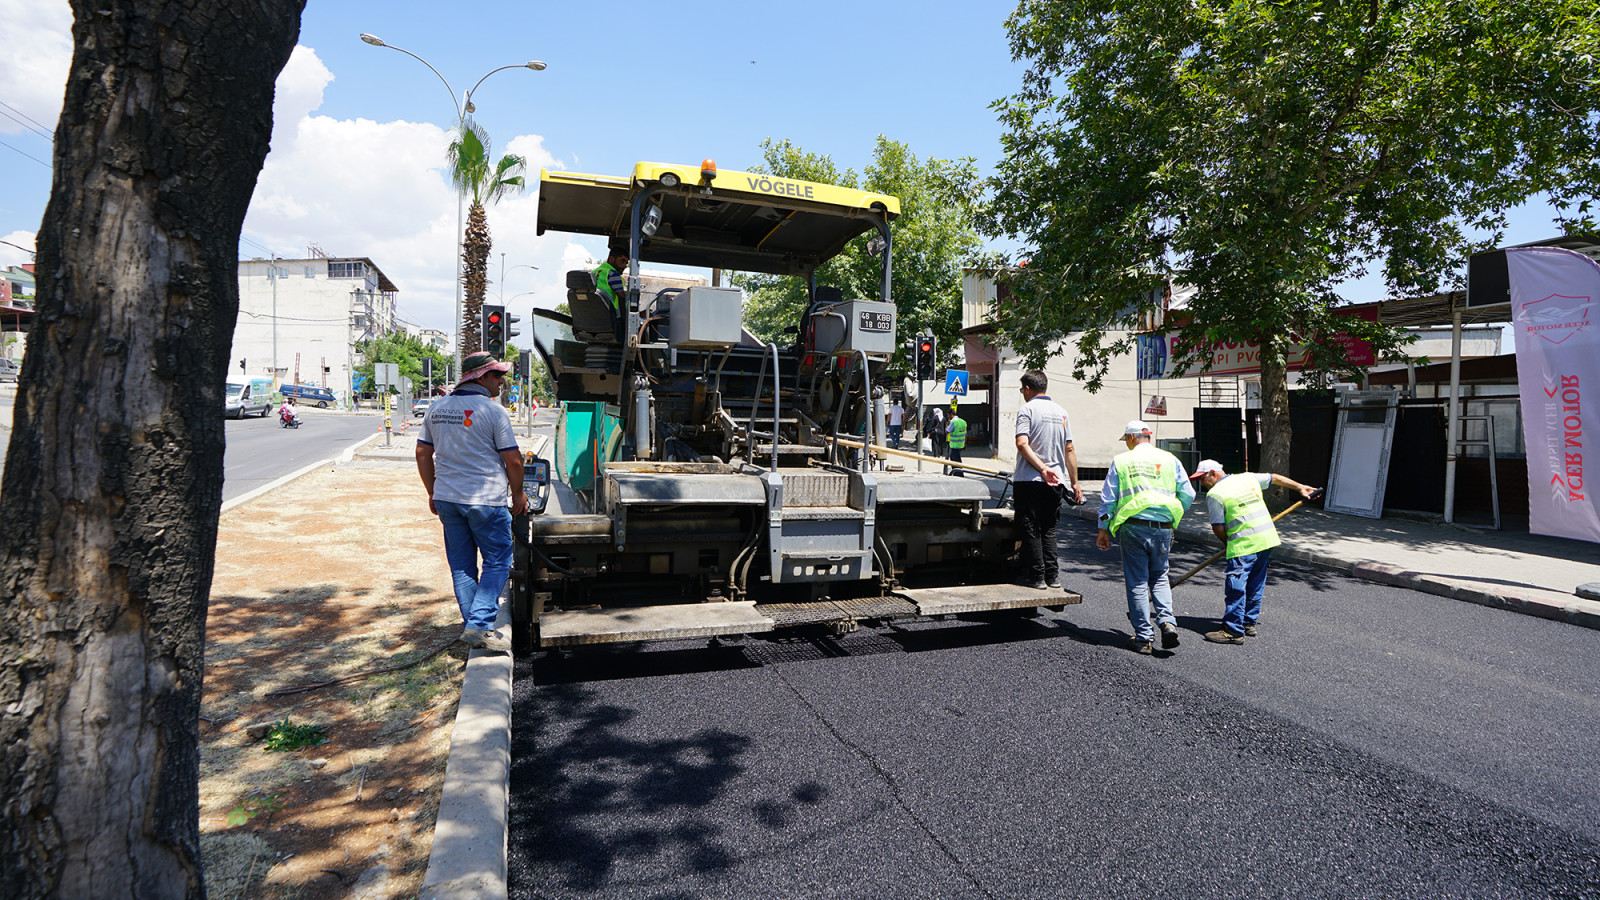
point(970, 598)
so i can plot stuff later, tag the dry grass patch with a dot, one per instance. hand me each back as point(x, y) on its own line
point(341, 572)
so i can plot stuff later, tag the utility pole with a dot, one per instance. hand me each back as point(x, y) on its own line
point(272, 270)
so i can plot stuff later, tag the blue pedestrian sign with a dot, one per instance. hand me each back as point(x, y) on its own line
point(955, 382)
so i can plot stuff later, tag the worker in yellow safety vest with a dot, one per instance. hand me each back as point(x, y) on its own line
point(1142, 499)
point(956, 435)
point(1241, 520)
point(608, 278)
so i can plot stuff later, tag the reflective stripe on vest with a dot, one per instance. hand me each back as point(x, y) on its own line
point(958, 433)
point(1146, 478)
point(1245, 515)
point(602, 283)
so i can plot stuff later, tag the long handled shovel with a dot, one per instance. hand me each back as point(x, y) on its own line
point(1218, 555)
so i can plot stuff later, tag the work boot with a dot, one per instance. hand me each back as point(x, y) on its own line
point(1224, 636)
point(1249, 631)
point(1169, 635)
point(1143, 648)
point(484, 640)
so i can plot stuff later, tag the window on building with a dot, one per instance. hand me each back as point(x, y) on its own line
point(356, 269)
point(311, 272)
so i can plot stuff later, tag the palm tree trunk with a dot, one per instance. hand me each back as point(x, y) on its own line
point(474, 266)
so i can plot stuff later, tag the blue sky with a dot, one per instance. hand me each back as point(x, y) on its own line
point(357, 159)
point(358, 148)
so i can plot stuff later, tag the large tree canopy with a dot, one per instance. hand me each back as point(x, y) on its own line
point(933, 238)
point(1261, 151)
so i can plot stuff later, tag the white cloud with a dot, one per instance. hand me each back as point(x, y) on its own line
point(38, 54)
point(355, 187)
point(381, 190)
point(12, 256)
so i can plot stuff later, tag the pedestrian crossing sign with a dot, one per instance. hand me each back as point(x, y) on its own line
point(955, 382)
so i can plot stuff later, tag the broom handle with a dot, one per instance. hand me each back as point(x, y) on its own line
point(1218, 555)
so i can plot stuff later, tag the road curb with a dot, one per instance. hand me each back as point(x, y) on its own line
point(1550, 605)
point(471, 836)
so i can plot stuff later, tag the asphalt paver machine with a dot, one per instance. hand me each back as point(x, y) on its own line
point(698, 487)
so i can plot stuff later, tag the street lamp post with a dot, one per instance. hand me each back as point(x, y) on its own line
point(503, 271)
point(462, 108)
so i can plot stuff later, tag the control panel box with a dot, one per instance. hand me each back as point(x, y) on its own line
point(706, 318)
point(864, 325)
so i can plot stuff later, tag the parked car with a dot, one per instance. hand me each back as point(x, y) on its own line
point(310, 395)
point(9, 370)
point(419, 406)
point(251, 396)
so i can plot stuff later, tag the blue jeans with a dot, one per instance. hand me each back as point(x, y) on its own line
point(1144, 575)
point(894, 435)
point(1242, 592)
point(468, 531)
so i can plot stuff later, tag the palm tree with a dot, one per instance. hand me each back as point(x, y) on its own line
point(472, 173)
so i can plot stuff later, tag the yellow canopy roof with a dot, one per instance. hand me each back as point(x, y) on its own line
point(743, 221)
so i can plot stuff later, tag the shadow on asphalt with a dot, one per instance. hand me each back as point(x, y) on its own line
point(575, 756)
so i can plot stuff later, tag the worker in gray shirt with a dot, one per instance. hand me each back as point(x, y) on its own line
point(1044, 457)
point(469, 461)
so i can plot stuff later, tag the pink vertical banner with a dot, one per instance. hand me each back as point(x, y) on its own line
point(1555, 312)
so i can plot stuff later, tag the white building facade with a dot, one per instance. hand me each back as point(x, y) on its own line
point(301, 319)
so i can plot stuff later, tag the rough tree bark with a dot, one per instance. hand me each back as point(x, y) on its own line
point(113, 477)
point(474, 276)
point(1276, 433)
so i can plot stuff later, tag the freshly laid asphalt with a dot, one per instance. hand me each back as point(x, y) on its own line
point(1373, 742)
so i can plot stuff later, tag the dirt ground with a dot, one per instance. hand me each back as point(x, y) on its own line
point(339, 572)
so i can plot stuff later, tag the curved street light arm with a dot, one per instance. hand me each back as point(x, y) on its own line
point(467, 97)
point(453, 101)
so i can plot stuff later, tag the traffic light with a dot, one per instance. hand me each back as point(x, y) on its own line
point(511, 326)
point(927, 356)
point(427, 370)
point(494, 330)
point(524, 363)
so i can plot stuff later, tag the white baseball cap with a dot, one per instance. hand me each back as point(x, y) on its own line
point(1136, 427)
point(1207, 465)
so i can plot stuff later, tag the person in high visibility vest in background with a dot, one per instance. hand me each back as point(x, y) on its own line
point(956, 436)
point(1143, 498)
point(608, 278)
point(1240, 519)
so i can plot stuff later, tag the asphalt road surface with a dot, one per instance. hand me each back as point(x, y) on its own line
point(260, 451)
point(1372, 742)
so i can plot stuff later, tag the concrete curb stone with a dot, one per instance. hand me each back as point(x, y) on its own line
point(471, 836)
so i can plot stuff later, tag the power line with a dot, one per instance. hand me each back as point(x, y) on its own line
point(25, 125)
point(34, 158)
point(42, 129)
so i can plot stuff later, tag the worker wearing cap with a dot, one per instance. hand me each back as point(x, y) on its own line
point(1240, 519)
point(470, 464)
point(1142, 499)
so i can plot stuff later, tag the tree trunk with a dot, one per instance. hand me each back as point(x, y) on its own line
point(474, 276)
point(113, 478)
point(1276, 434)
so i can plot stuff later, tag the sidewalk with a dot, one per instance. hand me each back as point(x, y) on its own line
point(1516, 571)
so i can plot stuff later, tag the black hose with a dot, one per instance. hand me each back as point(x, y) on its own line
point(549, 563)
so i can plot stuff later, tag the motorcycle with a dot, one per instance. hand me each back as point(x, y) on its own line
point(287, 421)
